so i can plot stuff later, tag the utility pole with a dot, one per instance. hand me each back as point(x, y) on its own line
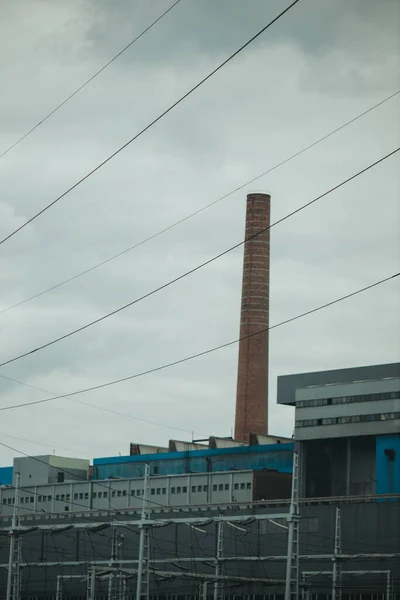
point(122, 587)
point(218, 585)
point(91, 584)
point(14, 558)
point(59, 588)
point(113, 562)
point(143, 575)
point(203, 590)
point(337, 567)
point(292, 563)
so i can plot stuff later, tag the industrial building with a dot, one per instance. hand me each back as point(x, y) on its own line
point(256, 517)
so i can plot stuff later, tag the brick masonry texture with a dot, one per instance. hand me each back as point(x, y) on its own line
point(252, 384)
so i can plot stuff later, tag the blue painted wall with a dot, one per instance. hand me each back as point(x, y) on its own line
point(387, 472)
point(6, 475)
point(271, 456)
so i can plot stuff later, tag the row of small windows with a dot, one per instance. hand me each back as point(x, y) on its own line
point(220, 487)
point(351, 419)
point(348, 399)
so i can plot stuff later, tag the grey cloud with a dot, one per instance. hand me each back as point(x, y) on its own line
point(266, 105)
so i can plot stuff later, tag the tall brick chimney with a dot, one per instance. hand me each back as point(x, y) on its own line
point(252, 384)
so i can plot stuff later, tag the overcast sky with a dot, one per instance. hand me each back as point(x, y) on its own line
point(317, 67)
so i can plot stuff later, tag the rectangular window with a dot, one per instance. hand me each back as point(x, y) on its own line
point(81, 496)
point(86, 495)
point(76, 496)
point(39, 498)
point(57, 496)
point(158, 491)
point(105, 494)
point(242, 486)
point(236, 486)
point(113, 493)
point(227, 486)
point(49, 498)
point(205, 488)
point(184, 489)
point(94, 495)
point(172, 490)
point(132, 492)
point(215, 487)
point(62, 496)
point(199, 488)
point(119, 494)
point(193, 488)
point(248, 485)
point(178, 490)
point(164, 491)
point(124, 492)
point(153, 491)
point(221, 487)
point(22, 500)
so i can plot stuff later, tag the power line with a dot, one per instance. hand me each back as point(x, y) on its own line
point(107, 410)
point(163, 114)
point(198, 267)
point(199, 211)
point(51, 113)
point(14, 437)
point(205, 352)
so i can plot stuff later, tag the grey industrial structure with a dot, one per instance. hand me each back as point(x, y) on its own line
point(349, 465)
point(256, 518)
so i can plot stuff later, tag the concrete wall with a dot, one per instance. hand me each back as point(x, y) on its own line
point(346, 410)
point(339, 467)
point(288, 384)
point(31, 471)
point(119, 494)
point(38, 470)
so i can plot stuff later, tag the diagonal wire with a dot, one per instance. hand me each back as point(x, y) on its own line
point(202, 209)
point(142, 131)
point(51, 113)
point(201, 265)
point(205, 352)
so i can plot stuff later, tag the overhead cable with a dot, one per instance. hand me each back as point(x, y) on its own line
point(200, 210)
point(137, 135)
point(102, 408)
point(52, 112)
point(205, 352)
point(200, 266)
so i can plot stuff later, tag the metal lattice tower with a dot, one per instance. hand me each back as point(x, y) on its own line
point(143, 575)
point(218, 585)
point(112, 588)
point(59, 588)
point(91, 584)
point(14, 557)
point(337, 567)
point(292, 563)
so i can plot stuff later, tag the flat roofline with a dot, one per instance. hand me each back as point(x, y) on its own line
point(287, 384)
point(141, 458)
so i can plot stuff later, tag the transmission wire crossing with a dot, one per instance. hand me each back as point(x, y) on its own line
point(151, 124)
point(200, 210)
point(205, 352)
point(52, 112)
point(201, 265)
